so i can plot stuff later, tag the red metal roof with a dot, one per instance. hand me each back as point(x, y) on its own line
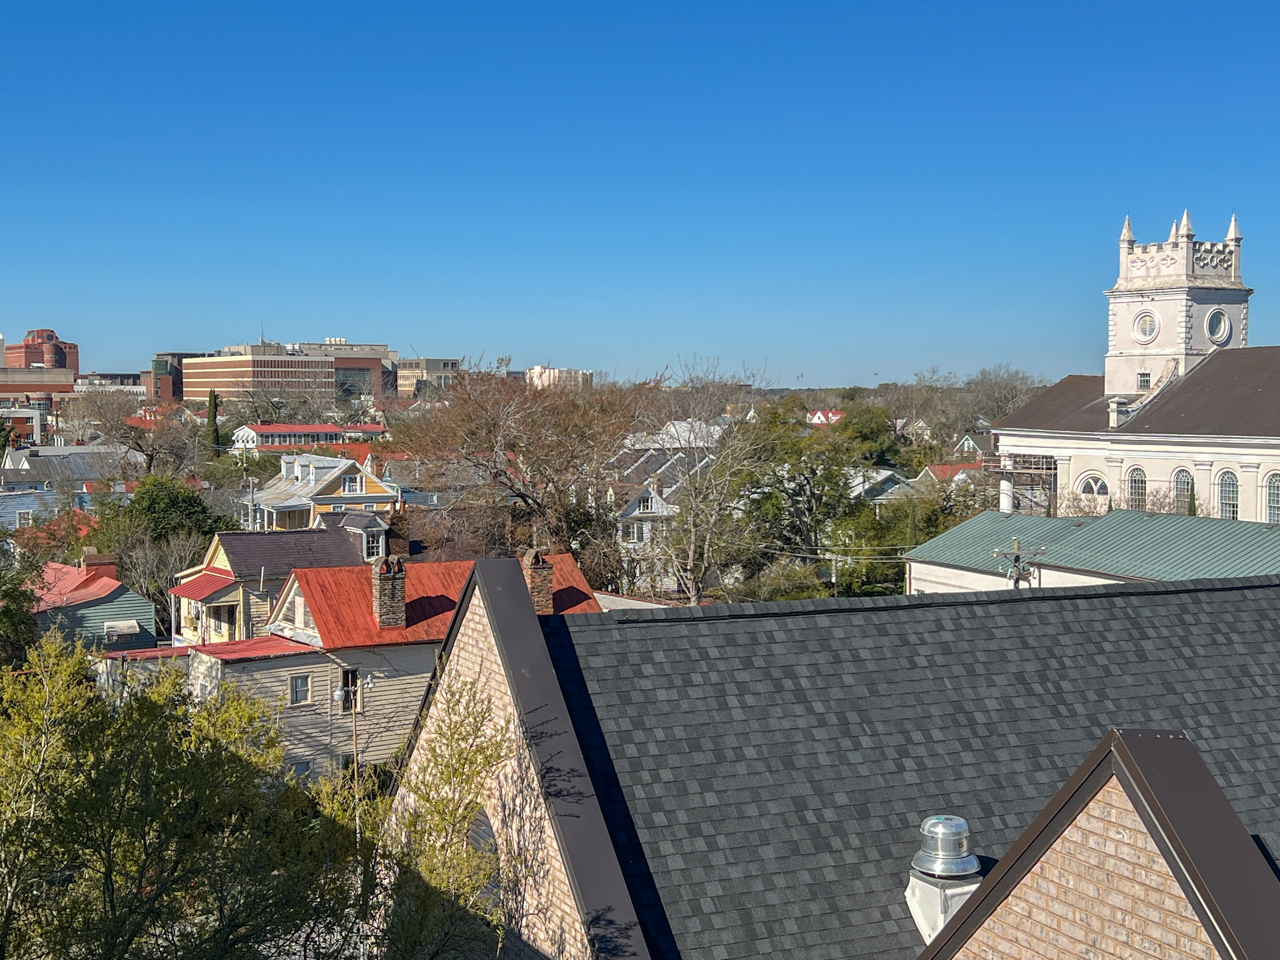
point(201, 586)
point(254, 648)
point(341, 604)
point(949, 471)
point(66, 586)
point(296, 428)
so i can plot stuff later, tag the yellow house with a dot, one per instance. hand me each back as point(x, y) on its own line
point(309, 485)
point(230, 594)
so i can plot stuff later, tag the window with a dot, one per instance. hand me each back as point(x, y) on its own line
point(24, 518)
point(1228, 496)
point(372, 546)
point(1144, 381)
point(352, 484)
point(1273, 498)
point(350, 690)
point(1137, 489)
point(1182, 485)
point(1218, 327)
point(1145, 328)
point(300, 689)
point(370, 507)
point(337, 508)
point(646, 505)
point(1094, 487)
point(302, 769)
point(345, 760)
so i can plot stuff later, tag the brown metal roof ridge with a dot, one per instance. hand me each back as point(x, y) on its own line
point(1230, 885)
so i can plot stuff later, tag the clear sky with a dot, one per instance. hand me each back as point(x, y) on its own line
point(841, 192)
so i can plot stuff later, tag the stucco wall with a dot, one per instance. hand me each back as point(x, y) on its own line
point(923, 577)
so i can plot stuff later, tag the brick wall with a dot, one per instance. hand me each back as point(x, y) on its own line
point(1102, 890)
point(548, 915)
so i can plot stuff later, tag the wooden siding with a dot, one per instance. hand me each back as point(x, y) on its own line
point(318, 732)
point(85, 620)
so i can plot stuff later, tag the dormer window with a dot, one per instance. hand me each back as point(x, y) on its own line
point(646, 505)
point(372, 546)
point(1144, 381)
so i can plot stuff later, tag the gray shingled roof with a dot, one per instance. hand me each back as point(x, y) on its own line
point(764, 768)
point(275, 553)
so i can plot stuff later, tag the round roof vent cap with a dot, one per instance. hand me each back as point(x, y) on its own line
point(944, 848)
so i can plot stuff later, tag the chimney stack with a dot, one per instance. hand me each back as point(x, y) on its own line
point(944, 873)
point(538, 574)
point(102, 565)
point(388, 592)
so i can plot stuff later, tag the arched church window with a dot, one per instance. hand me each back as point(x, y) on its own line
point(1137, 489)
point(1273, 498)
point(1182, 491)
point(1094, 487)
point(1145, 328)
point(1218, 327)
point(1228, 496)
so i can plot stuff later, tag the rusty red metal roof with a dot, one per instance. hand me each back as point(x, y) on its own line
point(341, 603)
point(201, 586)
point(66, 586)
point(254, 648)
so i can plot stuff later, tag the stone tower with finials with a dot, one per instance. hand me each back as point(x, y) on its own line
point(1174, 304)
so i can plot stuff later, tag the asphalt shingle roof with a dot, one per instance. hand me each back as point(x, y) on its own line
point(764, 768)
point(1123, 543)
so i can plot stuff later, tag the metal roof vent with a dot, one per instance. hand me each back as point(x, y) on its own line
point(944, 849)
point(944, 872)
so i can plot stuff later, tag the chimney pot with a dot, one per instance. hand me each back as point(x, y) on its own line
point(539, 575)
point(388, 592)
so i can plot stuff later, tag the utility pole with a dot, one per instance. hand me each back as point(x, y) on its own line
point(1020, 565)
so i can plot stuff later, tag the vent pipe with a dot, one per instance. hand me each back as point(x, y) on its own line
point(944, 872)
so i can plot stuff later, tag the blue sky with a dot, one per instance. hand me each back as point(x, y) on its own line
point(841, 193)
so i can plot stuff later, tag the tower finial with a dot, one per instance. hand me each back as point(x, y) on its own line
point(1173, 233)
point(1185, 232)
point(1233, 231)
point(1126, 235)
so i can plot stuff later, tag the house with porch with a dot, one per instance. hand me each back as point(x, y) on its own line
point(309, 485)
point(348, 651)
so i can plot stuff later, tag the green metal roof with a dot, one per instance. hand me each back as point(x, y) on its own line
point(1123, 543)
point(970, 544)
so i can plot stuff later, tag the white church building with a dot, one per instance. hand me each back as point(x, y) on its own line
point(1184, 407)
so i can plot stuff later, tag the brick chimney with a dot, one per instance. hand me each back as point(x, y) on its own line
point(388, 592)
point(99, 564)
point(538, 575)
point(398, 537)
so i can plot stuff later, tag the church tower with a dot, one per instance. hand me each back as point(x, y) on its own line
point(1174, 304)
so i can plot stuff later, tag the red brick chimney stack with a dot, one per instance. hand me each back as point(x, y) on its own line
point(538, 574)
point(100, 564)
point(388, 592)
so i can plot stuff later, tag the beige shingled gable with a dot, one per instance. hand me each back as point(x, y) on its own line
point(1102, 890)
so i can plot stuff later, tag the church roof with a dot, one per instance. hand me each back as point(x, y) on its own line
point(1232, 393)
point(1074, 403)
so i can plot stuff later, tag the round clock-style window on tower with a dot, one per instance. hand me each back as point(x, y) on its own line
point(1218, 326)
point(1145, 328)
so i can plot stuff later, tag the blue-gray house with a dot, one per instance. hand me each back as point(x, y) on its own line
point(87, 602)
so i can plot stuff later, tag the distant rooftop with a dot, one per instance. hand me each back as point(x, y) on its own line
point(1123, 543)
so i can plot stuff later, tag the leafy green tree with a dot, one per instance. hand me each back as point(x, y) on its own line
point(19, 576)
point(805, 479)
point(165, 506)
point(153, 825)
